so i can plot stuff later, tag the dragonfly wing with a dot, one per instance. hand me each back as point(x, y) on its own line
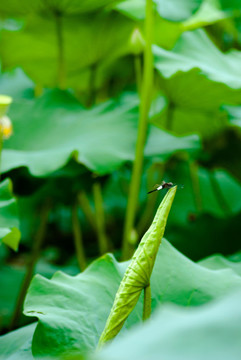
point(154, 188)
point(180, 186)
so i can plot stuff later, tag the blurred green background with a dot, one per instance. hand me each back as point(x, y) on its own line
point(76, 73)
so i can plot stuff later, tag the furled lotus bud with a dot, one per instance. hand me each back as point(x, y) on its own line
point(137, 42)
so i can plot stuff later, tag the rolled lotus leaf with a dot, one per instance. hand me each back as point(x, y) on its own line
point(138, 273)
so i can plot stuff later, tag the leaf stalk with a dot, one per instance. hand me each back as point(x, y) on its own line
point(127, 249)
point(78, 241)
point(37, 245)
point(147, 302)
point(60, 48)
point(100, 218)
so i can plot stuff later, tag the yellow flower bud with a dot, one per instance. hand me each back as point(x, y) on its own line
point(6, 128)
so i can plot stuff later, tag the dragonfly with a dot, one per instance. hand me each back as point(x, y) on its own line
point(164, 185)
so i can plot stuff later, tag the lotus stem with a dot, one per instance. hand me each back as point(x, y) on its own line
point(193, 168)
point(138, 72)
point(79, 248)
point(146, 91)
point(100, 218)
point(86, 208)
point(60, 46)
point(37, 245)
point(147, 303)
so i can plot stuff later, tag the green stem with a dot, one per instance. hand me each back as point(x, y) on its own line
point(60, 47)
point(78, 238)
point(86, 208)
point(127, 250)
point(38, 90)
point(37, 245)
point(193, 168)
point(1, 149)
point(100, 218)
point(137, 66)
point(92, 95)
point(219, 195)
point(147, 302)
point(170, 116)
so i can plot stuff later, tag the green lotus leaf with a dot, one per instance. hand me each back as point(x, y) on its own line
point(55, 127)
point(207, 210)
point(208, 13)
point(14, 7)
point(78, 134)
point(198, 80)
point(10, 282)
point(174, 10)
point(195, 50)
point(218, 192)
point(211, 332)
point(219, 261)
point(195, 75)
point(34, 48)
point(177, 10)
point(17, 85)
point(72, 311)
point(234, 113)
point(178, 119)
point(133, 8)
point(230, 5)
point(16, 345)
point(160, 144)
point(9, 223)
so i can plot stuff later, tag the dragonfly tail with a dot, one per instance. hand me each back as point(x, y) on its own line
point(151, 191)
